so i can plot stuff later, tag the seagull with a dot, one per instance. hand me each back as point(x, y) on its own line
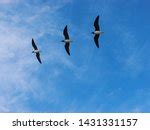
point(36, 51)
point(97, 31)
point(66, 40)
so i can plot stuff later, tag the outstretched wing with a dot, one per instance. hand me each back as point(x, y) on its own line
point(34, 45)
point(38, 57)
point(96, 37)
point(65, 32)
point(96, 24)
point(67, 45)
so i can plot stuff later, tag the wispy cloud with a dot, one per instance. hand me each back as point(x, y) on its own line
point(9, 1)
point(131, 51)
point(25, 84)
point(17, 64)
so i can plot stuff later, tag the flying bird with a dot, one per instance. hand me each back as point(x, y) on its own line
point(36, 51)
point(97, 31)
point(66, 40)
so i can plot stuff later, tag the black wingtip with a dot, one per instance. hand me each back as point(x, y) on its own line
point(40, 61)
point(97, 17)
point(68, 53)
point(66, 26)
point(32, 40)
point(97, 45)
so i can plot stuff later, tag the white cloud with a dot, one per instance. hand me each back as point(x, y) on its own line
point(8, 1)
point(5, 1)
point(14, 59)
point(18, 65)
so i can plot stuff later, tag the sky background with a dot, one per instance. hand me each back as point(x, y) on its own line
point(113, 78)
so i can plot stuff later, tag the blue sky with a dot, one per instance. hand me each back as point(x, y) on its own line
point(114, 78)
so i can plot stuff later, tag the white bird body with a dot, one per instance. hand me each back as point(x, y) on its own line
point(98, 32)
point(36, 51)
point(67, 40)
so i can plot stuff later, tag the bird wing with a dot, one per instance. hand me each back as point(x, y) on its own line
point(65, 32)
point(96, 37)
point(67, 48)
point(38, 57)
point(96, 24)
point(34, 45)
